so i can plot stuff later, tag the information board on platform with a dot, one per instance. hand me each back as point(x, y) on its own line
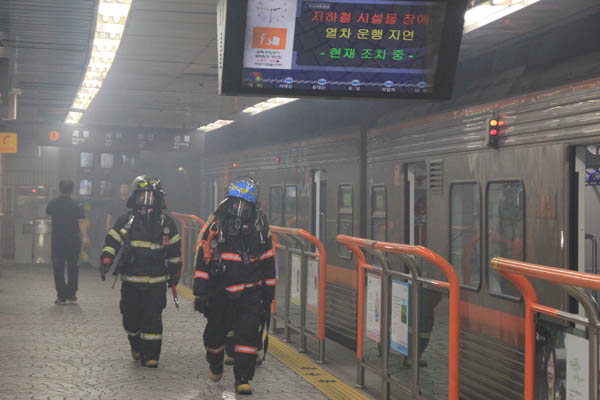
point(312, 286)
point(399, 325)
point(296, 281)
point(578, 352)
point(376, 48)
point(374, 307)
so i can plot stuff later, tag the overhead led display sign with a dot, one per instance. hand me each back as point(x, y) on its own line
point(354, 48)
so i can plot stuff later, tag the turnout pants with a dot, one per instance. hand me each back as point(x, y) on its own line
point(141, 306)
point(243, 315)
point(69, 256)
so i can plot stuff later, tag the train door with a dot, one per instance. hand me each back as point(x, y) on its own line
point(319, 204)
point(416, 204)
point(585, 195)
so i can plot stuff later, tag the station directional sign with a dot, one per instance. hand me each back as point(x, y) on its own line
point(94, 138)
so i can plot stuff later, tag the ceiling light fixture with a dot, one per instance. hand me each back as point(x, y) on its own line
point(268, 104)
point(215, 125)
point(73, 117)
point(491, 11)
point(110, 25)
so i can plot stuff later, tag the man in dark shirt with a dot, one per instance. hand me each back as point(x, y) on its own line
point(69, 232)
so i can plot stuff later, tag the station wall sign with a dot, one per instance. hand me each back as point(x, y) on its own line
point(8, 143)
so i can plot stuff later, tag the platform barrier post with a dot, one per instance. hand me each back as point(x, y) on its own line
point(377, 251)
point(299, 243)
point(303, 288)
point(572, 282)
point(190, 226)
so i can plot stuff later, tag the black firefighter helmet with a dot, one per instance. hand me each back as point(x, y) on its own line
point(146, 192)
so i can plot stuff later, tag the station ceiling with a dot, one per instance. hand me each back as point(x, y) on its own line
point(47, 43)
point(165, 73)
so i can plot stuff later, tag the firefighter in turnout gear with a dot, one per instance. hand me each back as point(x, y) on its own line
point(150, 260)
point(234, 282)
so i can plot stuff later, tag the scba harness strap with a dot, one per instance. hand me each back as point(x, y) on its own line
point(128, 243)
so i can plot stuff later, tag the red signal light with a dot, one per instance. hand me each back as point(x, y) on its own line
point(496, 128)
point(33, 190)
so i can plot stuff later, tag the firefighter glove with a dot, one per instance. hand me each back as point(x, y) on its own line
point(105, 264)
point(268, 294)
point(201, 303)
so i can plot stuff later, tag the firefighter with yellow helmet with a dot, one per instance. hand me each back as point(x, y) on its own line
point(150, 260)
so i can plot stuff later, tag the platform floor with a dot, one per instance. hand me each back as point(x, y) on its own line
point(81, 351)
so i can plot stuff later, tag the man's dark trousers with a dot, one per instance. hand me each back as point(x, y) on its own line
point(68, 255)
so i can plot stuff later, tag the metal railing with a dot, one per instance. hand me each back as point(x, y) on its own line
point(191, 225)
point(377, 250)
point(298, 275)
point(572, 282)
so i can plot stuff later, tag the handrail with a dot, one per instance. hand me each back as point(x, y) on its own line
point(518, 273)
point(550, 274)
point(453, 285)
point(190, 216)
point(322, 270)
point(182, 219)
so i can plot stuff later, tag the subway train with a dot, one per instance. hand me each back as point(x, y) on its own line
point(437, 181)
point(431, 174)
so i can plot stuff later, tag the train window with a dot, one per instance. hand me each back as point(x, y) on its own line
point(378, 213)
point(275, 205)
point(291, 206)
point(345, 218)
point(465, 240)
point(505, 230)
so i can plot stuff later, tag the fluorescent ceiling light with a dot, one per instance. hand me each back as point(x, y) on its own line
point(73, 117)
point(110, 25)
point(268, 104)
point(491, 11)
point(215, 125)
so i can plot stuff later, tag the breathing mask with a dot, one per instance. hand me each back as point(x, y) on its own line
point(145, 199)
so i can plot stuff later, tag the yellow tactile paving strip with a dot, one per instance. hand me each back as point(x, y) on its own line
point(328, 384)
point(324, 381)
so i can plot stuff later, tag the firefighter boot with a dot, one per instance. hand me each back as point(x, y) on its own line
point(137, 356)
point(215, 372)
point(150, 363)
point(243, 387)
point(215, 363)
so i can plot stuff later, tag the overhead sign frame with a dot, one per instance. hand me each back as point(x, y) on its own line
point(235, 74)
